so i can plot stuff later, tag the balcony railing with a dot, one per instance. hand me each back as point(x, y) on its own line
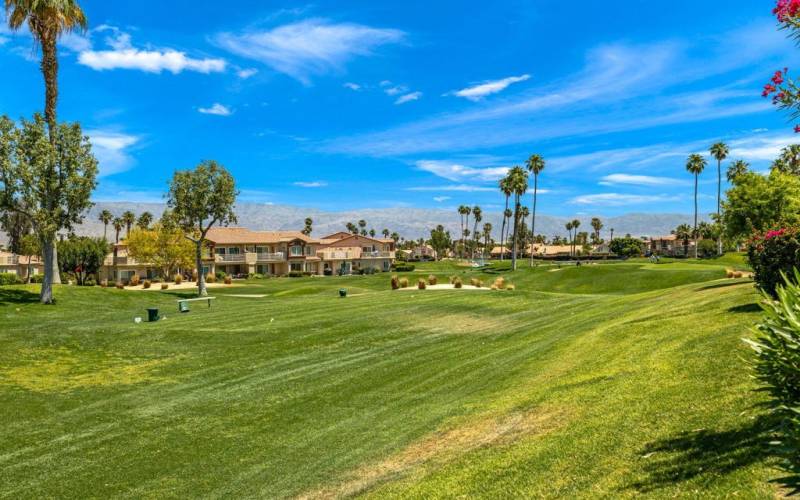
point(269, 257)
point(11, 260)
point(230, 257)
point(340, 255)
point(377, 255)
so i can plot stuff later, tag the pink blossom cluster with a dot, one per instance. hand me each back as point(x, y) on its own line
point(774, 86)
point(786, 9)
point(774, 234)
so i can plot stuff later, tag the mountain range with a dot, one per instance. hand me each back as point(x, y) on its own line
point(410, 223)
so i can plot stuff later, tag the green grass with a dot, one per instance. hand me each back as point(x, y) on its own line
point(612, 380)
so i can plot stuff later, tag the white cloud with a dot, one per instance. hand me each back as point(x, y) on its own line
point(440, 199)
point(478, 92)
point(244, 74)
point(122, 55)
point(352, 86)
point(413, 96)
point(760, 148)
point(460, 173)
point(462, 188)
point(112, 150)
point(310, 184)
point(217, 109)
point(619, 200)
point(310, 47)
point(394, 90)
point(640, 180)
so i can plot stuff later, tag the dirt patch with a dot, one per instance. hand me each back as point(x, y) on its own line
point(441, 447)
point(61, 370)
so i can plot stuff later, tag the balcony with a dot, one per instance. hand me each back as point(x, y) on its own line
point(11, 260)
point(229, 258)
point(336, 255)
point(270, 257)
point(377, 255)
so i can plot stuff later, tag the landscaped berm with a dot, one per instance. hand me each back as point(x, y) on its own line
point(613, 380)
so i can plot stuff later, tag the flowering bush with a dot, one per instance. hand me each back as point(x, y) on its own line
point(784, 91)
point(773, 253)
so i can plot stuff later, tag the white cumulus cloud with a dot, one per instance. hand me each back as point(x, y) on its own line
point(413, 96)
point(217, 109)
point(112, 150)
point(478, 92)
point(461, 173)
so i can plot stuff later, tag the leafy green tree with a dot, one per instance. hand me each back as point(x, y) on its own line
point(50, 184)
point(440, 241)
point(164, 246)
point(199, 199)
point(82, 255)
point(627, 247)
point(144, 220)
point(695, 165)
point(535, 164)
point(759, 203)
point(16, 226)
point(737, 168)
point(518, 179)
point(29, 247)
point(105, 217)
point(720, 152)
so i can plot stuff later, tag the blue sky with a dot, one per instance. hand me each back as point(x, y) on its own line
point(344, 105)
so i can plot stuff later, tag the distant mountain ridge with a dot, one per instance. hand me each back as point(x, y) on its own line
point(410, 223)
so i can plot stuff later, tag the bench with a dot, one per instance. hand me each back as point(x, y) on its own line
point(183, 304)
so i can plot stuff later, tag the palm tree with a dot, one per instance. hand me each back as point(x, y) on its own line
point(487, 235)
point(695, 164)
point(519, 186)
point(462, 210)
point(395, 237)
point(575, 225)
point(308, 226)
point(385, 233)
point(569, 228)
point(144, 220)
point(363, 225)
point(467, 212)
point(372, 233)
point(128, 218)
point(118, 224)
point(535, 165)
point(789, 160)
point(524, 213)
point(720, 152)
point(597, 225)
point(351, 228)
point(684, 233)
point(105, 218)
point(477, 217)
point(611, 238)
point(737, 168)
point(505, 187)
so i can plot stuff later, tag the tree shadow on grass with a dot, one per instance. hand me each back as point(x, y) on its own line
point(746, 308)
point(724, 285)
point(705, 452)
point(16, 296)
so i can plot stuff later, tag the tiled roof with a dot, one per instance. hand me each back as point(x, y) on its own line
point(241, 235)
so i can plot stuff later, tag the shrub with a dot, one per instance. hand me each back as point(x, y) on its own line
point(210, 278)
point(147, 284)
point(164, 286)
point(453, 279)
point(395, 283)
point(178, 279)
point(404, 268)
point(255, 276)
point(706, 249)
point(421, 284)
point(104, 284)
point(134, 280)
point(627, 247)
point(432, 280)
point(228, 280)
point(737, 274)
point(729, 273)
point(120, 285)
point(9, 279)
point(500, 283)
point(493, 287)
point(476, 282)
point(403, 282)
point(89, 282)
point(37, 278)
point(296, 274)
point(776, 346)
point(457, 283)
point(221, 275)
point(771, 254)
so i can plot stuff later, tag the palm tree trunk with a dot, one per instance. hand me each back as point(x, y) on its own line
point(533, 214)
point(503, 233)
point(49, 67)
point(695, 215)
point(719, 197)
point(105, 232)
point(514, 241)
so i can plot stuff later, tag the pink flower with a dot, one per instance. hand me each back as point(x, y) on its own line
point(777, 78)
point(786, 9)
point(797, 129)
point(774, 234)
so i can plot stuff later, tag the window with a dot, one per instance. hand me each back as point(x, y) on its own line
point(297, 266)
point(296, 251)
point(220, 250)
point(262, 250)
point(233, 251)
point(309, 250)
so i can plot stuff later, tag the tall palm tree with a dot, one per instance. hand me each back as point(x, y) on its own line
point(372, 233)
point(720, 152)
point(535, 165)
point(695, 165)
point(351, 228)
point(737, 168)
point(128, 218)
point(385, 233)
point(789, 160)
point(519, 186)
point(144, 220)
point(363, 225)
point(118, 224)
point(308, 226)
point(477, 217)
point(467, 212)
point(487, 235)
point(575, 225)
point(597, 225)
point(462, 210)
point(505, 187)
point(569, 228)
point(105, 217)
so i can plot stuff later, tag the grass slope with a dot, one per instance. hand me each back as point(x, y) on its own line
point(612, 380)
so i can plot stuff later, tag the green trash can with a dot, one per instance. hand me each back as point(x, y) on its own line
point(342, 293)
point(152, 314)
point(183, 306)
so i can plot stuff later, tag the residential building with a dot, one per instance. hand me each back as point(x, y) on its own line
point(669, 246)
point(15, 264)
